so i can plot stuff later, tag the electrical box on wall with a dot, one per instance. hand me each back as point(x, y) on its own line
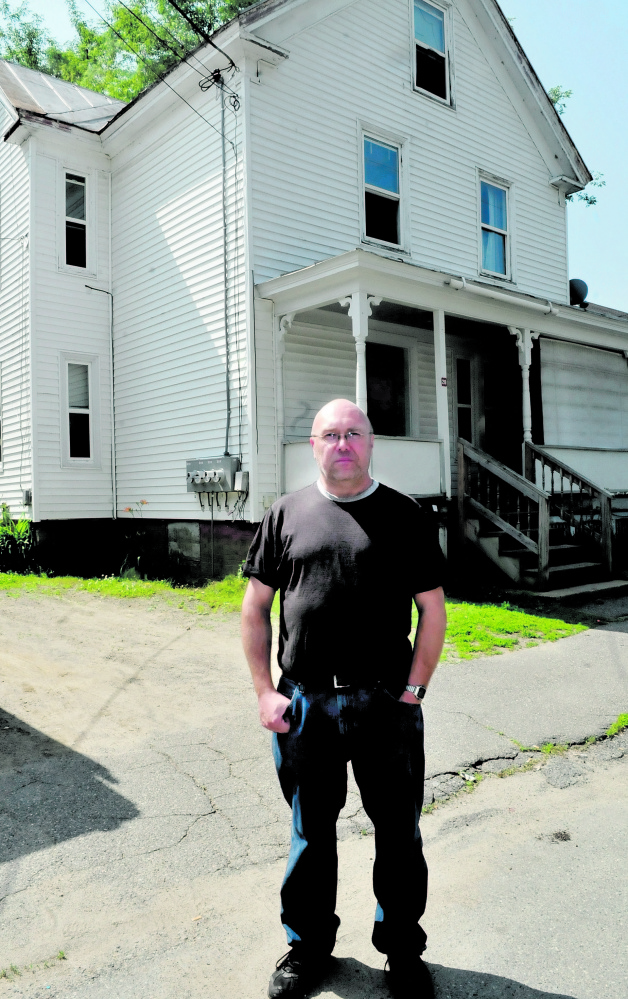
point(213, 475)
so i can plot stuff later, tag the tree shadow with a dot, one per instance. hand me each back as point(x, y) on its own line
point(351, 979)
point(49, 793)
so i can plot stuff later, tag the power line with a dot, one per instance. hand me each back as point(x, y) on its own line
point(200, 32)
point(176, 54)
point(160, 75)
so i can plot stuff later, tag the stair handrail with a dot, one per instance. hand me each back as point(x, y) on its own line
point(530, 490)
point(525, 486)
point(565, 471)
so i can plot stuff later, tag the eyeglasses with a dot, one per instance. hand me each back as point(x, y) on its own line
point(352, 437)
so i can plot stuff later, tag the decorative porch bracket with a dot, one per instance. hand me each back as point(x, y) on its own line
point(360, 306)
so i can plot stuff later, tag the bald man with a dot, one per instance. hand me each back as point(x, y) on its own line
point(348, 556)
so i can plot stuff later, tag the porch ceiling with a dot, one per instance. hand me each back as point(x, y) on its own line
point(408, 284)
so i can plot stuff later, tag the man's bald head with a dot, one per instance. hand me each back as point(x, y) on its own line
point(341, 410)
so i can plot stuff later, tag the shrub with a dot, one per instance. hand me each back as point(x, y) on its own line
point(15, 542)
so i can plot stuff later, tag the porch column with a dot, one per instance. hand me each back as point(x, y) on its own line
point(360, 308)
point(442, 399)
point(525, 341)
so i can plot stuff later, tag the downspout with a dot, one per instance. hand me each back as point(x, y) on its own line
point(225, 276)
point(114, 483)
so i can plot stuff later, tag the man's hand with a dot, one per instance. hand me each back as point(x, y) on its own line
point(409, 698)
point(272, 708)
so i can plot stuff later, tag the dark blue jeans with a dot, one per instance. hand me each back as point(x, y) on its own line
point(383, 738)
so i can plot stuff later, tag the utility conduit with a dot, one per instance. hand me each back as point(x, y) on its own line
point(460, 284)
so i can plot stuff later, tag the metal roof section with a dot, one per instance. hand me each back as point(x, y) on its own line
point(32, 91)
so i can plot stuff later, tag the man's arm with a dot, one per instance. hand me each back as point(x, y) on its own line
point(430, 636)
point(257, 639)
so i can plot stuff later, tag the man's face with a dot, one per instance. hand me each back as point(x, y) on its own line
point(344, 460)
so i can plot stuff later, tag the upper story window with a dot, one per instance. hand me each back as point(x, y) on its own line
point(75, 221)
point(382, 192)
point(79, 411)
point(495, 249)
point(432, 62)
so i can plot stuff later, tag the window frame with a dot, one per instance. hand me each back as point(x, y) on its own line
point(506, 186)
point(91, 220)
point(383, 139)
point(92, 361)
point(409, 344)
point(445, 7)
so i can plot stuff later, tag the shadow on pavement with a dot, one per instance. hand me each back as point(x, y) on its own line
point(351, 979)
point(50, 793)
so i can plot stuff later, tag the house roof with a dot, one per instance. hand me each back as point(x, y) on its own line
point(35, 92)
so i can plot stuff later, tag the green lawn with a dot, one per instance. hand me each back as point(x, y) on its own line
point(473, 630)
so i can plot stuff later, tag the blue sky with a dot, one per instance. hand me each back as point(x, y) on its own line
point(581, 46)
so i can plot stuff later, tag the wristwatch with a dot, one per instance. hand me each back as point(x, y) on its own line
point(419, 692)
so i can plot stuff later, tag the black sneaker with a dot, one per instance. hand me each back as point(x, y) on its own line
point(296, 974)
point(409, 977)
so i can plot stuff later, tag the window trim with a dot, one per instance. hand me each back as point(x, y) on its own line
point(446, 8)
point(91, 220)
point(504, 185)
point(384, 139)
point(409, 344)
point(92, 361)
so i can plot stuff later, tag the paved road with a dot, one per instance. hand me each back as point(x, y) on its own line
point(137, 794)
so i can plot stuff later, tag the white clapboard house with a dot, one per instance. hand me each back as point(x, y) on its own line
point(330, 198)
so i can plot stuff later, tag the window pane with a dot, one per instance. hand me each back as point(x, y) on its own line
point(78, 386)
point(494, 210)
point(463, 381)
point(464, 424)
point(382, 218)
point(75, 244)
point(493, 252)
point(431, 72)
point(79, 435)
point(386, 381)
point(381, 166)
point(429, 25)
point(74, 199)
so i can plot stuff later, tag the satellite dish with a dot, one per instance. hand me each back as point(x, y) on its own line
point(578, 291)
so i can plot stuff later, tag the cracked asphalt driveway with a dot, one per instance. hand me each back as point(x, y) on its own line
point(143, 834)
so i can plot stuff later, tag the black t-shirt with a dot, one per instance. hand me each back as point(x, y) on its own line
point(347, 573)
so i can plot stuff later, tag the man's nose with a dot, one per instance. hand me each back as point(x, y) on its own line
point(343, 441)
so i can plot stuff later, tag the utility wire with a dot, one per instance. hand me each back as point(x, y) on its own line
point(176, 54)
point(160, 75)
point(200, 32)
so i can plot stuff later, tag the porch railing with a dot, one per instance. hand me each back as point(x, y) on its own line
point(579, 502)
point(506, 499)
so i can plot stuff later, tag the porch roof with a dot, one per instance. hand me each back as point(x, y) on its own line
point(406, 283)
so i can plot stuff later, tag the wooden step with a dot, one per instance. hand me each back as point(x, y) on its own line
point(575, 566)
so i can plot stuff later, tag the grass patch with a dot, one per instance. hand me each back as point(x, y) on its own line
point(487, 630)
point(618, 726)
point(473, 629)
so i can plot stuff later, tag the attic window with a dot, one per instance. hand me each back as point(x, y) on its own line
point(381, 192)
point(432, 69)
point(75, 221)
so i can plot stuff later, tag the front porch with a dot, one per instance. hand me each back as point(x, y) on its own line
point(432, 359)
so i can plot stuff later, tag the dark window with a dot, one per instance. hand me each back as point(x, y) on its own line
point(79, 415)
point(382, 218)
point(387, 389)
point(75, 245)
point(431, 51)
point(382, 191)
point(463, 399)
point(75, 224)
point(79, 435)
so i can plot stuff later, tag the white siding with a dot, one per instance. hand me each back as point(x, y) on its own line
point(306, 118)
point(320, 365)
point(585, 396)
point(15, 392)
point(68, 317)
point(169, 305)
